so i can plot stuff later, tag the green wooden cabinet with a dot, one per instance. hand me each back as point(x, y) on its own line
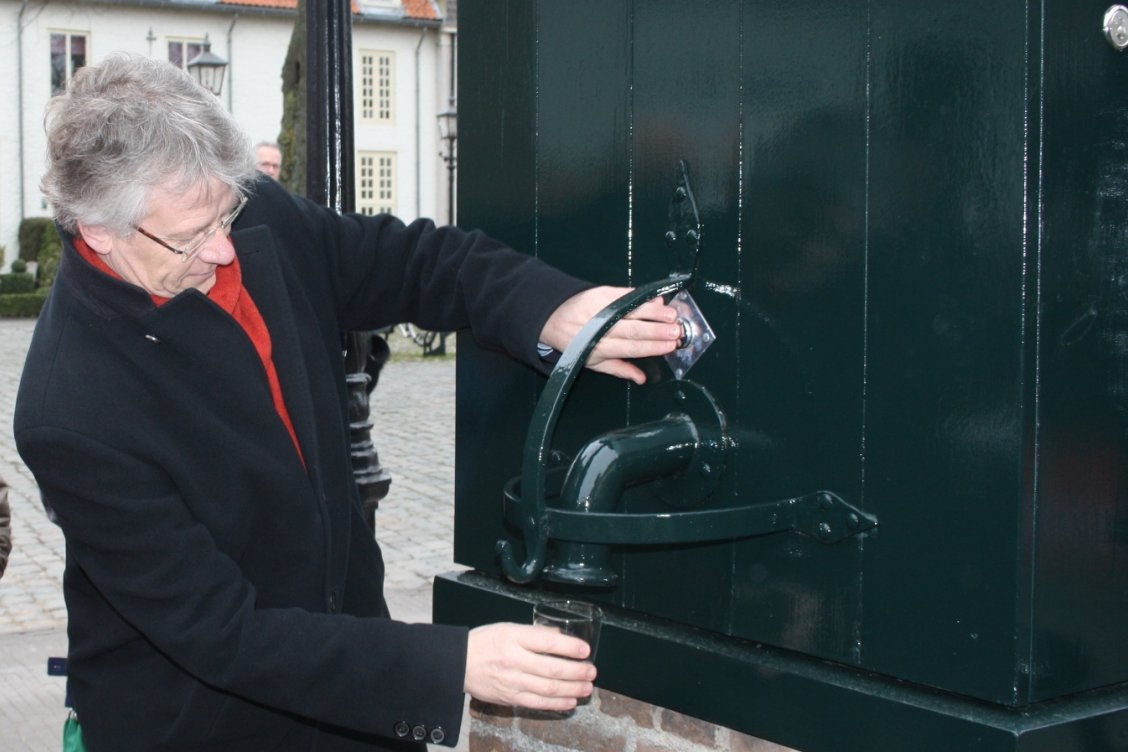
point(914, 254)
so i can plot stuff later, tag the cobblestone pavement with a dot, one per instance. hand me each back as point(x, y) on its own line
point(413, 412)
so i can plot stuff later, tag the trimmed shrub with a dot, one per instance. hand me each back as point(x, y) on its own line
point(23, 305)
point(50, 251)
point(16, 282)
point(32, 230)
point(19, 266)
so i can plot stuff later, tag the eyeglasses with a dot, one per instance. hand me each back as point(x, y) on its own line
point(188, 252)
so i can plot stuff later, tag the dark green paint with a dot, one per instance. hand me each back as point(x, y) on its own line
point(794, 699)
point(914, 252)
point(529, 516)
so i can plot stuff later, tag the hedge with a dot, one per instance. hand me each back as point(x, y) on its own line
point(32, 232)
point(50, 251)
point(16, 282)
point(21, 294)
point(22, 305)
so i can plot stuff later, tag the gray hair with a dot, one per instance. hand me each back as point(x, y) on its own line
point(127, 126)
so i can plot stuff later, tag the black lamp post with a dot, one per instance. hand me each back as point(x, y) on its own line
point(448, 131)
point(208, 69)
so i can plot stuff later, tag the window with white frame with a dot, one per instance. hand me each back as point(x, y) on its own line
point(68, 53)
point(377, 86)
point(181, 50)
point(376, 178)
point(379, 5)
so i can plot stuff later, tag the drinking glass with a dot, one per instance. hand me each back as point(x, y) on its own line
point(575, 618)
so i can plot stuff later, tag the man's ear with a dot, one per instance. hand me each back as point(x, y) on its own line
point(97, 237)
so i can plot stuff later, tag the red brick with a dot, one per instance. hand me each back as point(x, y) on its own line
point(688, 728)
point(674, 745)
point(585, 731)
point(500, 716)
point(621, 706)
point(480, 742)
point(739, 742)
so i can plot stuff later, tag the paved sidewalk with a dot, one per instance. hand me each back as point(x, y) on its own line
point(413, 412)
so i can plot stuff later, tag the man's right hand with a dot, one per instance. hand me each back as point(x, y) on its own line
point(529, 666)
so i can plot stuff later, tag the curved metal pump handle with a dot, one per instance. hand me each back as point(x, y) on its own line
point(534, 465)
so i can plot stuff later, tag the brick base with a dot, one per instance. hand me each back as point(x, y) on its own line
point(609, 723)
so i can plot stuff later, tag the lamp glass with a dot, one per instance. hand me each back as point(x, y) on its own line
point(448, 125)
point(208, 69)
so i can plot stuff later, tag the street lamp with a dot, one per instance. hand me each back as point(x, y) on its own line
point(208, 69)
point(448, 131)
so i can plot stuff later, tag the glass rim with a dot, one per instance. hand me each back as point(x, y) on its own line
point(582, 609)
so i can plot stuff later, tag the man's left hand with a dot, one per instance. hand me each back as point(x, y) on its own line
point(651, 329)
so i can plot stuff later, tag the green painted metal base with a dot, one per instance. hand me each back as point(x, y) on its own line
point(795, 700)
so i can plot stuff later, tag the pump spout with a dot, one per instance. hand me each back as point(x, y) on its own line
point(602, 471)
point(683, 457)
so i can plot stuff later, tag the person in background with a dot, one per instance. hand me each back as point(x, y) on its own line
point(183, 408)
point(268, 158)
point(5, 527)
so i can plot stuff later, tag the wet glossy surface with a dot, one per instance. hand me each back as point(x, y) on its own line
point(914, 254)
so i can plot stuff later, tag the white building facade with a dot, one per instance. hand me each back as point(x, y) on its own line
point(402, 80)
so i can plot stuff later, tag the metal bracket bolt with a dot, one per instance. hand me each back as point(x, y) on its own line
point(1116, 27)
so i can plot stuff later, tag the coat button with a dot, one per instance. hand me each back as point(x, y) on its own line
point(419, 733)
point(437, 735)
point(402, 729)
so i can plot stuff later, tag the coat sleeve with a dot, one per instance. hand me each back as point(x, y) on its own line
point(160, 571)
point(380, 272)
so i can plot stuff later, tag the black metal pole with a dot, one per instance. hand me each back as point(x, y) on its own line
point(450, 181)
point(453, 140)
point(330, 176)
point(329, 149)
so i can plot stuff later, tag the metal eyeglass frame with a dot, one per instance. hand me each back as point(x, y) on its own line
point(189, 252)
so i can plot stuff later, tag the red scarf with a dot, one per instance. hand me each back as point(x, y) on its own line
point(229, 294)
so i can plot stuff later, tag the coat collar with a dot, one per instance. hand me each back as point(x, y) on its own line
point(106, 296)
point(109, 298)
point(265, 282)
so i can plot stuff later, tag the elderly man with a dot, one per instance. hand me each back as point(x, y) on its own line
point(183, 410)
point(268, 158)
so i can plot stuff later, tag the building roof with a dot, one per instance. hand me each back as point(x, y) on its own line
point(267, 3)
point(422, 9)
point(416, 10)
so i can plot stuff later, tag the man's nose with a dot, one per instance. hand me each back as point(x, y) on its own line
point(218, 249)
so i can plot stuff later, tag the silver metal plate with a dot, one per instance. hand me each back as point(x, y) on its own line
point(1116, 27)
point(698, 335)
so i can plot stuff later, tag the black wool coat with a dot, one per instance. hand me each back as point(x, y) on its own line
point(222, 595)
